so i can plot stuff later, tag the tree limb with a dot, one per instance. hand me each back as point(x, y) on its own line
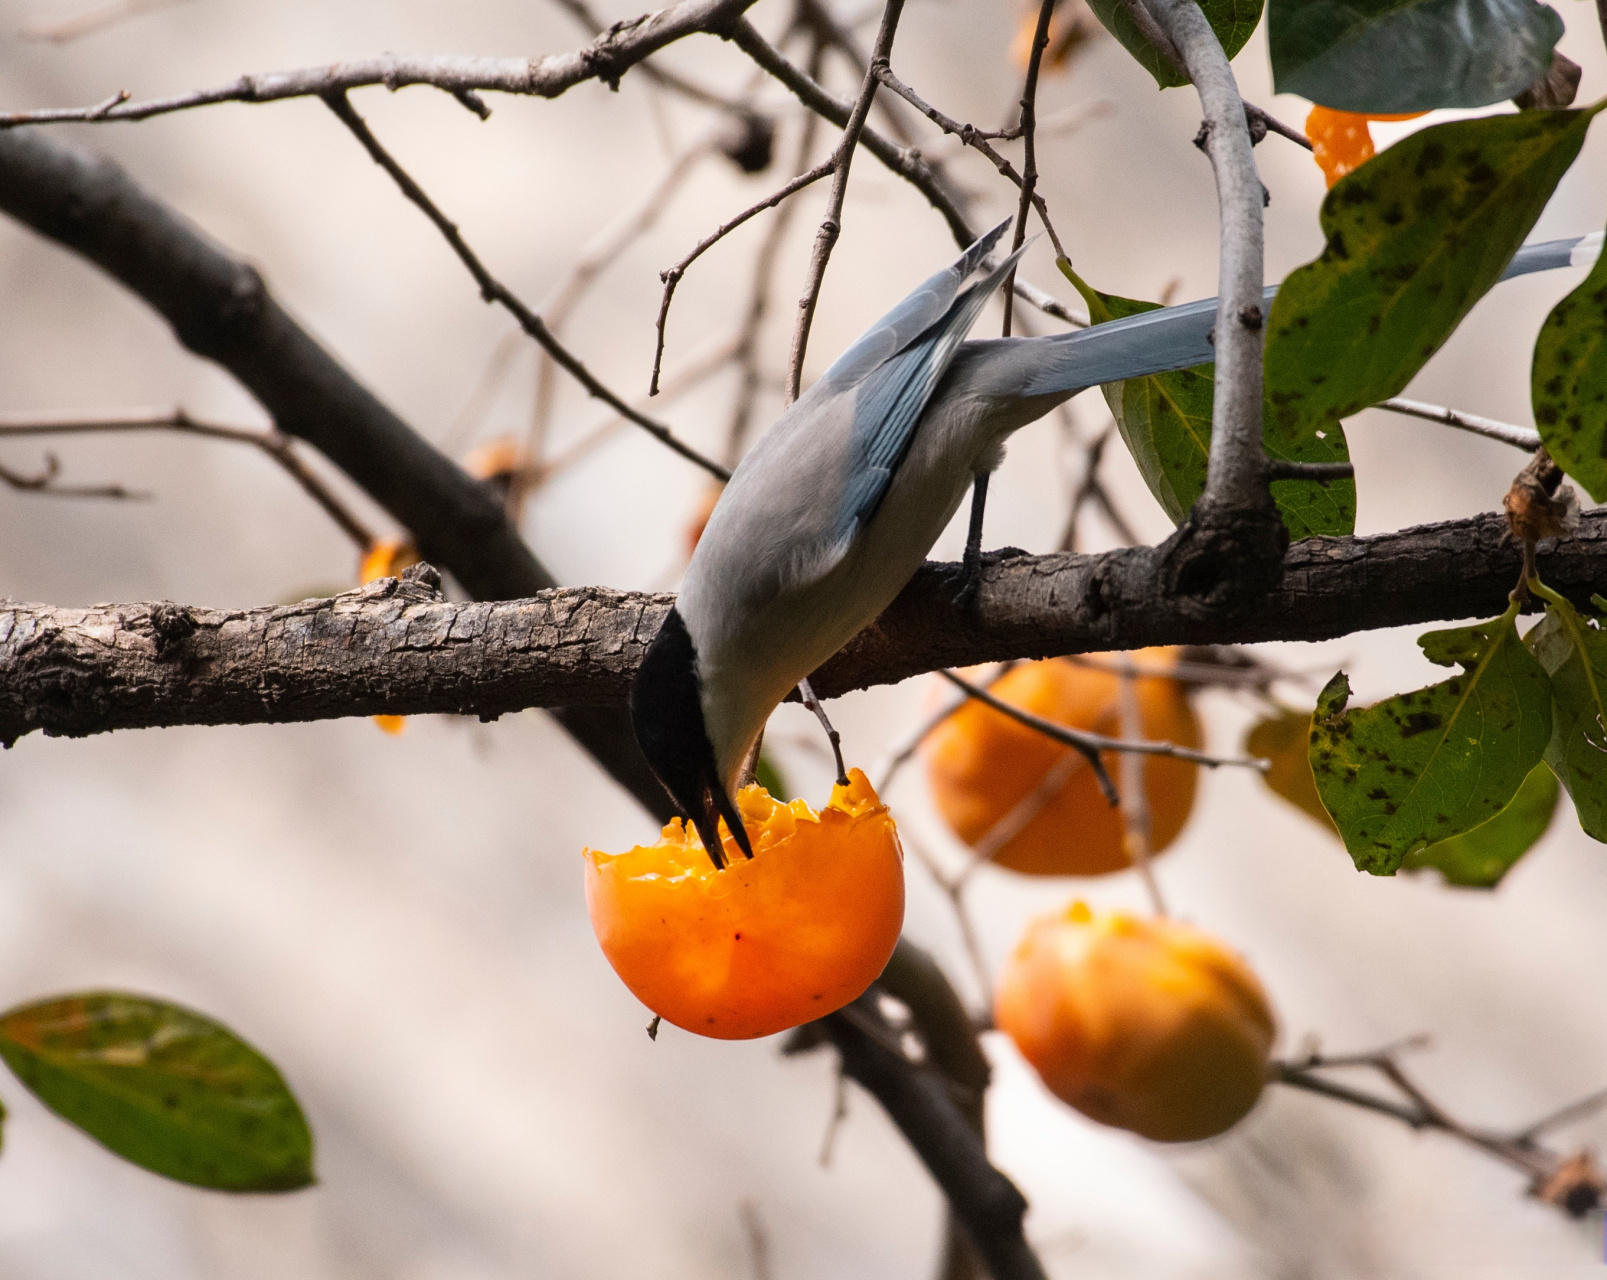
point(607, 58)
point(393, 648)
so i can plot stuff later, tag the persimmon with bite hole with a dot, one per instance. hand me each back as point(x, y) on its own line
point(1145, 1024)
point(984, 767)
point(765, 944)
point(1341, 141)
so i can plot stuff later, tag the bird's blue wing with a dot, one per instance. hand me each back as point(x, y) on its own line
point(910, 319)
point(890, 399)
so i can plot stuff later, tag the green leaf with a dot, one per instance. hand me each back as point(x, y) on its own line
point(1165, 420)
point(1424, 766)
point(1283, 740)
point(168, 1089)
point(1573, 651)
point(1409, 55)
point(1233, 21)
point(1479, 858)
point(1415, 237)
point(1568, 382)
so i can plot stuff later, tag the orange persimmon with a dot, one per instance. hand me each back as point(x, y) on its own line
point(981, 765)
point(1148, 1025)
point(796, 932)
point(1341, 141)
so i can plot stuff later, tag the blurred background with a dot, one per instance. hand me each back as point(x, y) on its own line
point(398, 921)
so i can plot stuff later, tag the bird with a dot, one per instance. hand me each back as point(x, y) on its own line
point(835, 507)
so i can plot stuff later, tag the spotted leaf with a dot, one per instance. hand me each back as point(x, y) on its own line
point(1424, 766)
point(1568, 382)
point(1573, 650)
point(1165, 421)
point(1478, 859)
point(1415, 237)
point(168, 1089)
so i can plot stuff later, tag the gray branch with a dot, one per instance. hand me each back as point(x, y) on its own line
point(394, 647)
point(606, 58)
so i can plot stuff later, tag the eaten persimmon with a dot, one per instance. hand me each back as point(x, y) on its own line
point(1147, 1025)
point(767, 943)
point(1341, 141)
point(984, 767)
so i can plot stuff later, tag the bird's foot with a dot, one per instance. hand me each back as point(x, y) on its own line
point(970, 570)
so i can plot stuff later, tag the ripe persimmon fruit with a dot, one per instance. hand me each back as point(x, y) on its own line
point(1341, 141)
point(1148, 1025)
point(982, 765)
point(767, 943)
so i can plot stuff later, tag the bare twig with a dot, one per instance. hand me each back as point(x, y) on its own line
point(493, 290)
point(1321, 472)
point(1092, 489)
point(672, 276)
point(1570, 1182)
point(607, 58)
point(578, 10)
point(44, 482)
point(1029, 133)
point(1519, 437)
point(831, 225)
point(604, 250)
point(273, 443)
point(1137, 831)
point(971, 136)
point(1091, 744)
point(70, 29)
point(905, 162)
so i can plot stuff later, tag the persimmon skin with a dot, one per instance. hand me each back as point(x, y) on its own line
point(766, 944)
point(1147, 1025)
point(981, 764)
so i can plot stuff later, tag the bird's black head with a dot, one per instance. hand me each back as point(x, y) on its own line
point(667, 714)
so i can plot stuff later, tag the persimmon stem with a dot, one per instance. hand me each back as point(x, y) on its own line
point(813, 703)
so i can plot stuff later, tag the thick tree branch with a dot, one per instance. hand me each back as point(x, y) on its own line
point(221, 309)
point(606, 58)
point(393, 648)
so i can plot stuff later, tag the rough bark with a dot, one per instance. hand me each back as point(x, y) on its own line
point(396, 647)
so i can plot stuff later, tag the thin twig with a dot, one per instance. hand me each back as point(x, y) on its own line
point(672, 276)
point(1518, 437)
point(1321, 472)
point(759, 295)
point(1092, 489)
point(831, 225)
point(70, 29)
point(1091, 744)
point(1137, 830)
point(605, 250)
point(1029, 164)
point(973, 137)
point(1571, 1182)
point(273, 443)
point(493, 290)
point(607, 58)
point(44, 482)
point(906, 162)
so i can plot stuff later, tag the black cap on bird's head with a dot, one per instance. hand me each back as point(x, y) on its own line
point(667, 714)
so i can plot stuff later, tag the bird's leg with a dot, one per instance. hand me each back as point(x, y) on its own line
point(971, 563)
point(835, 738)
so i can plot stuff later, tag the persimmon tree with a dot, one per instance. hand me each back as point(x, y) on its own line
point(1246, 455)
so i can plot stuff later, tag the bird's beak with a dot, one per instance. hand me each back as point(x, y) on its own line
point(706, 818)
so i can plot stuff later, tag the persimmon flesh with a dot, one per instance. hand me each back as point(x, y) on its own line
point(767, 943)
point(1148, 1025)
point(1341, 141)
point(981, 765)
